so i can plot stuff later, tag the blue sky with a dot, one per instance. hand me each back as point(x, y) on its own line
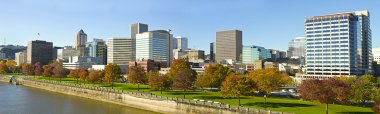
point(268, 23)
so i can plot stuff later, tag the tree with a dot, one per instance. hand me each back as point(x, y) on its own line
point(112, 73)
point(11, 65)
point(177, 65)
point(59, 71)
point(235, 85)
point(3, 68)
point(136, 75)
point(93, 76)
point(325, 91)
point(48, 70)
point(74, 73)
point(83, 73)
point(157, 81)
point(268, 80)
point(184, 80)
point(38, 70)
point(213, 76)
point(376, 107)
point(362, 88)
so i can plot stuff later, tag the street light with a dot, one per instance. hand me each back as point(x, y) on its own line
point(265, 102)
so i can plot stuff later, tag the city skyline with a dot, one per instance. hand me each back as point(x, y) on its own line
point(58, 21)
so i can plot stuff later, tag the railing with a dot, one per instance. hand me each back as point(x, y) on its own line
point(151, 96)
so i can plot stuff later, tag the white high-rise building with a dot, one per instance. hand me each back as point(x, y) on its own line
point(20, 58)
point(154, 45)
point(120, 50)
point(338, 45)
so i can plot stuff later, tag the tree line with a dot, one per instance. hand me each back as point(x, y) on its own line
point(343, 90)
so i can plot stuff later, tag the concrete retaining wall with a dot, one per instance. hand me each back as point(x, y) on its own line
point(123, 98)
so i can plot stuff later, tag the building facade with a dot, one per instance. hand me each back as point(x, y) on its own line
point(228, 45)
point(253, 53)
point(80, 43)
point(334, 45)
point(97, 48)
point(20, 58)
point(120, 50)
point(154, 45)
point(296, 47)
point(39, 51)
point(212, 52)
point(196, 56)
point(85, 62)
point(181, 43)
point(148, 65)
point(138, 28)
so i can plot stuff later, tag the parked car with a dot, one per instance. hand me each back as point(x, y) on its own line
point(284, 90)
point(292, 90)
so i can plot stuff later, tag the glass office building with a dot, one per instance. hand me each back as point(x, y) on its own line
point(252, 53)
point(335, 45)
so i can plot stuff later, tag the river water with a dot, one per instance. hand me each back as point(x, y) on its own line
point(26, 100)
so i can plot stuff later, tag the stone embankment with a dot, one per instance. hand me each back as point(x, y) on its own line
point(145, 101)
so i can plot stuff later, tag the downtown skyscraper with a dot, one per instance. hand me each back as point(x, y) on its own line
point(228, 45)
point(338, 45)
point(80, 43)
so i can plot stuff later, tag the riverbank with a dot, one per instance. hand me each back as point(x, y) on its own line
point(137, 100)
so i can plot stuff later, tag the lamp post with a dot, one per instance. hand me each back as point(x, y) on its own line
point(265, 102)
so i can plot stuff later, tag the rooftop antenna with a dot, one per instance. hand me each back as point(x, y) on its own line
point(5, 41)
point(38, 36)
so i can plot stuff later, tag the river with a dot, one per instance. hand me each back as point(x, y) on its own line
point(26, 100)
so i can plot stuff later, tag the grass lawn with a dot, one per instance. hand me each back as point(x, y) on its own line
point(275, 104)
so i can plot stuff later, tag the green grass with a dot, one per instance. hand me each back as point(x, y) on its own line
point(275, 104)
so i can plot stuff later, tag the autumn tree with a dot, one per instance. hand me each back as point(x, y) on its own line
point(48, 71)
point(12, 65)
point(112, 73)
point(157, 81)
point(376, 107)
point(235, 85)
point(74, 73)
point(3, 68)
point(176, 66)
point(136, 75)
point(94, 76)
point(328, 91)
point(213, 76)
point(362, 88)
point(184, 80)
point(38, 70)
point(83, 73)
point(268, 80)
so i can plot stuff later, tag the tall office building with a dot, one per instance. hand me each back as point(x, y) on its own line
point(296, 47)
point(80, 42)
point(212, 52)
point(253, 53)
point(154, 45)
point(120, 51)
point(97, 48)
point(55, 52)
point(181, 43)
point(138, 28)
point(338, 44)
point(39, 51)
point(228, 45)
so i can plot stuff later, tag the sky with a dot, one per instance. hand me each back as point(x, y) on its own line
point(268, 23)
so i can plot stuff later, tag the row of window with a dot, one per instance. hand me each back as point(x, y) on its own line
point(327, 19)
point(326, 23)
point(335, 30)
point(328, 70)
point(328, 73)
point(327, 58)
point(332, 38)
point(327, 66)
point(327, 62)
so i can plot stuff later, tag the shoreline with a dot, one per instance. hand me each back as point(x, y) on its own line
point(130, 99)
